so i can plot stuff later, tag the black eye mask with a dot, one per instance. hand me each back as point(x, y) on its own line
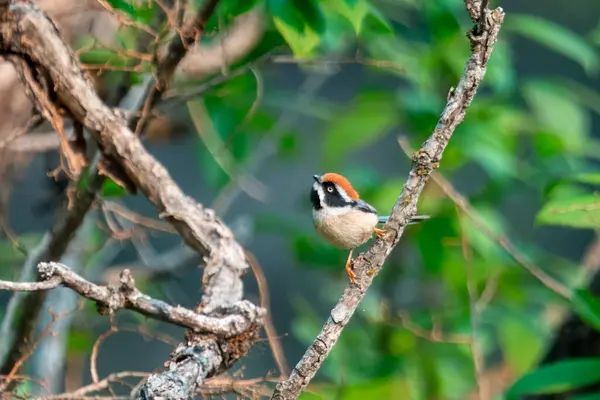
point(333, 198)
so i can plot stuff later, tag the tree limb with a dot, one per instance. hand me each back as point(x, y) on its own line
point(368, 264)
point(125, 295)
point(26, 32)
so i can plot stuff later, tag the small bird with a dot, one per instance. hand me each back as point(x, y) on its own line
point(342, 218)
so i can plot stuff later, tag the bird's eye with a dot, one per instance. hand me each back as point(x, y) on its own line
point(330, 189)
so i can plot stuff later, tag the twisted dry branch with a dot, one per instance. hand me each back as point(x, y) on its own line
point(125, 296)
point(26, 33)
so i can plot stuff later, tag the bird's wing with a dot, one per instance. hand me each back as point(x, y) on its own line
point(364, 206)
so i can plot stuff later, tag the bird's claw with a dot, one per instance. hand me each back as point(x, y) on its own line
point(379, 232)
point(349, 270)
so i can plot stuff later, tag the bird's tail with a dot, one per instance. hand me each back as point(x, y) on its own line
point(414, 220)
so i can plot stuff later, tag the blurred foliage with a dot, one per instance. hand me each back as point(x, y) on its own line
point(522, 134)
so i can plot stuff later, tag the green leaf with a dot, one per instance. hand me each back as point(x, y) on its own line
point(555, 37)
point(354, 11)
point(299, 26)
point(589, 396)
point(548, 144)
point(559, 112)
point(577, 212)
point(233, 8)
point(141, 12)
point(303, 43)
point(101, 56)
point(557, 377)
point(375, 23)
point(122, 5)
point(111, 188)
point(587, 306)
point(365, 120)
point(519, 342)
point(592, 178)
point(310, 14)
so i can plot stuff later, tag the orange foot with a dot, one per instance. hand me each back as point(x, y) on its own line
point(351, 273)
point(379, 232)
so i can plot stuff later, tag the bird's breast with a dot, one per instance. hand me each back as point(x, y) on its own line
point(347, 230)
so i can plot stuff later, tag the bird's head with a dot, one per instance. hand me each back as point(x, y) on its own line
point(332, 190)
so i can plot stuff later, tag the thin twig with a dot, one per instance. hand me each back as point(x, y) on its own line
point(478, 358)
point(136, 218)
point(95, 347)
point(17, 132)
point(435, 335)
point(95, 387)
point(263, 290)
point(367, 265)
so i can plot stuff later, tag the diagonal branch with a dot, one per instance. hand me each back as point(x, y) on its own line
point(367, 265)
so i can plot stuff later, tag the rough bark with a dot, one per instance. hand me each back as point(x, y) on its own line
point(31, 41)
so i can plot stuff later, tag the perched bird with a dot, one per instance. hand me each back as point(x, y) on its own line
point(342, 218)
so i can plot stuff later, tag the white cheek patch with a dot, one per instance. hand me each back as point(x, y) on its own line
point(343, 193)
point(338, 210)
point(326, 212)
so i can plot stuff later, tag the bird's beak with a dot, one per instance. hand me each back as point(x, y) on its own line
point(317, 178)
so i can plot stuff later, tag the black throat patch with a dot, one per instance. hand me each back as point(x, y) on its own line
point(314, 199)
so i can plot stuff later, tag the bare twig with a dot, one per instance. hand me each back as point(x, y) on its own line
point(435, 335)
point(136, 218)
point(368, 264)
point(18, 132)
point(96, 346)
point(125, 295)
point(476, 351)
point(95, 387)
point(45, 332)
point(263, 290)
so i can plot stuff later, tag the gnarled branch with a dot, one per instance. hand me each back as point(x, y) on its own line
point(27, 34)
point(125, 295)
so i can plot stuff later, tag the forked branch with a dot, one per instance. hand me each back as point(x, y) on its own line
point(28, 34)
